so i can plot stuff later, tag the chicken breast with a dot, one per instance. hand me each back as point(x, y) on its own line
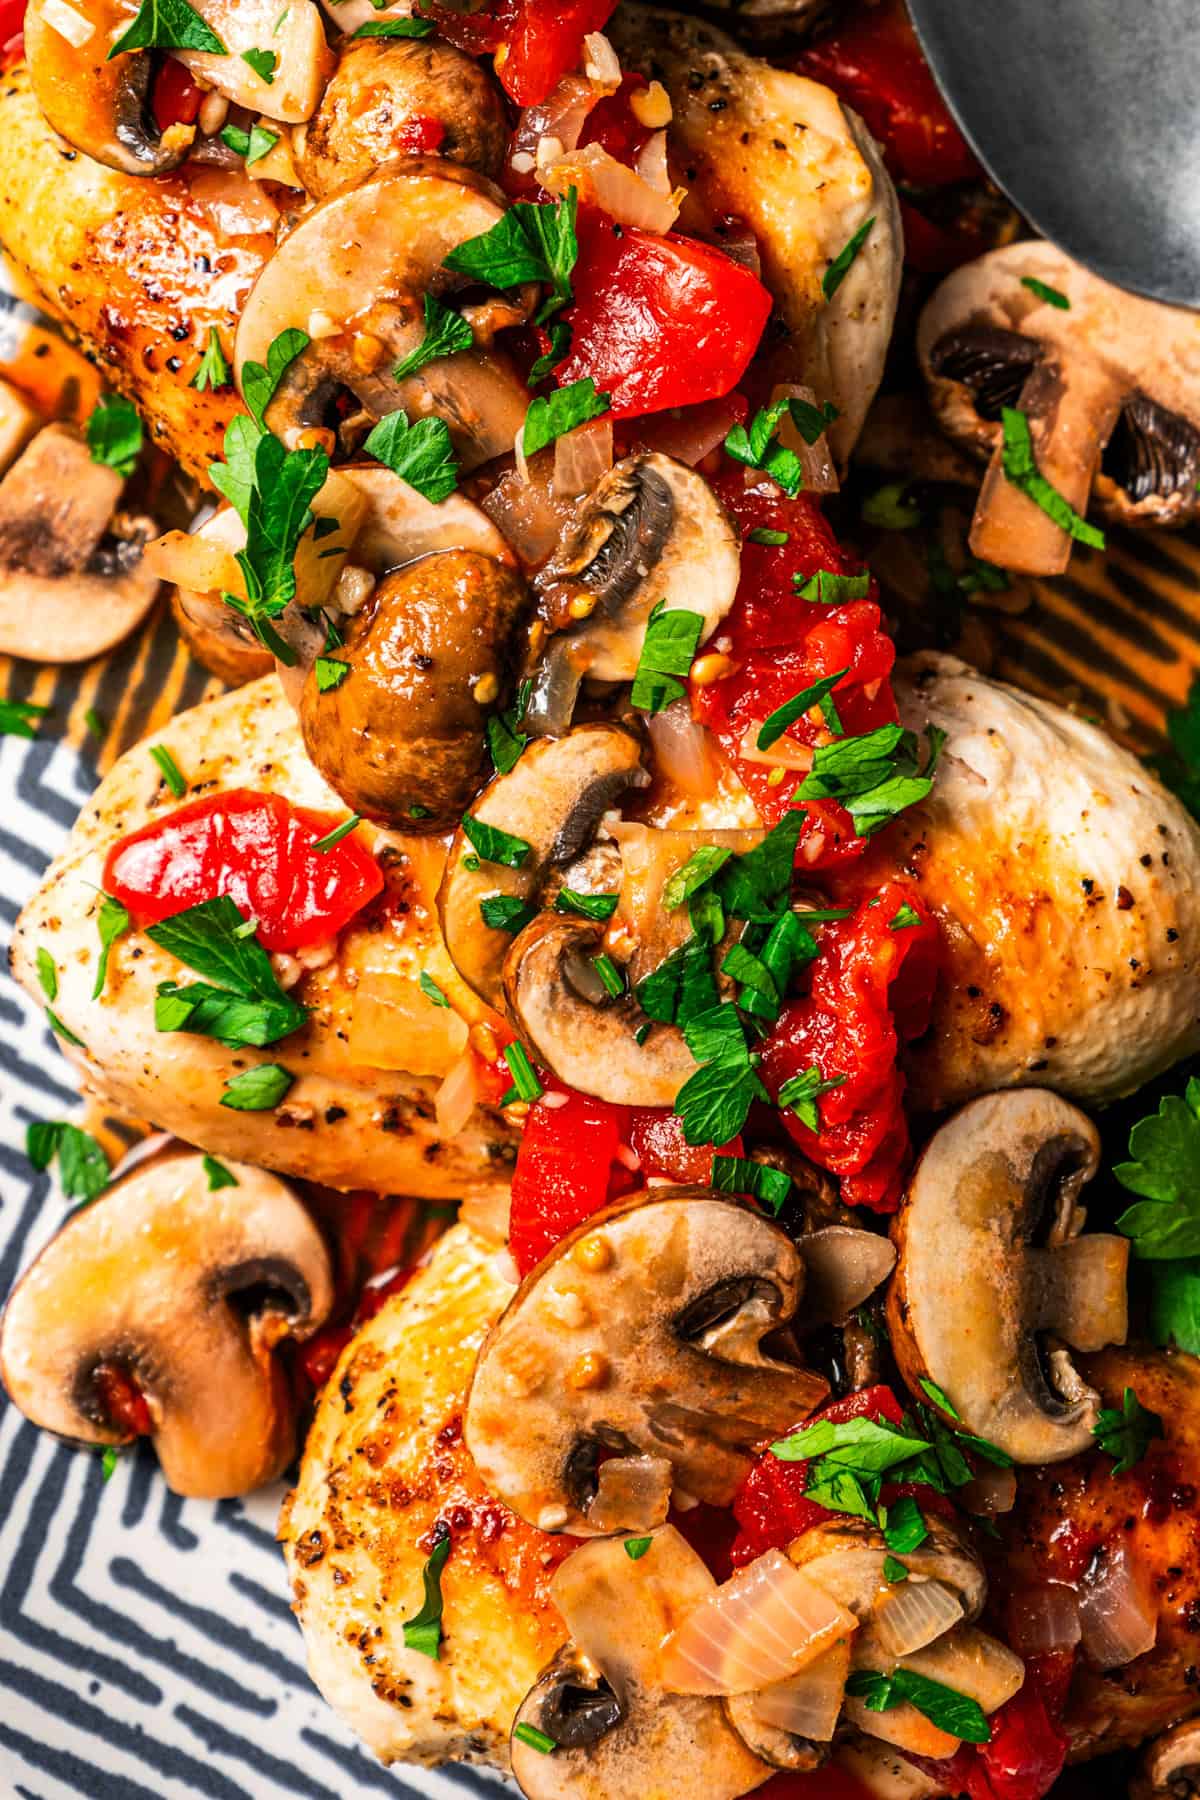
point(781, 154)
point(384, 1464)
point(345, 1123)
point(1067, 881)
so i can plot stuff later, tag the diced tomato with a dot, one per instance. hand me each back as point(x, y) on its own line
point(613, 124)
point(1026, 1753)
point(535, 42)
point(258, 849)
point(319, 1356)
point(12, 20)
point(659, 321)
point(563, 1173)
point(868, 980)
point(771, 1507)
point(656, 1136)
point(176, 98)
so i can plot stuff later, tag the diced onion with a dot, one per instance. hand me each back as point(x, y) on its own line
point(632, 1493)
point(763, 1625)
point(842, 1268)
point(683, 749)
point(562, 115)
point(913, 1614)
point(1117, 1616)
point(784, 753)
point(1043, 1618)
point(808, 1705)
point(68, 22)
point(816, 462)
point(688, 433)
point(604, 182)
point(652, 165)
point(992, 1491)
point(455, 1100)
point(601, 65)
point(581, 457)
point(526, 511)
point(394, 1025)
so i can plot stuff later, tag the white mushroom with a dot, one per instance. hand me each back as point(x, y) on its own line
point(294, 36)
point(100, 105)
point(182, 1293)
point(1170, 1768)
point(991, 1261)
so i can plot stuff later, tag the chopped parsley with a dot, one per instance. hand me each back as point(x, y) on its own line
point(423, 1632)
point(560, 343)
point(253, 145)
point(47, 973)
point(505, 739)
point(218, 1175)
point(112, 921)
point(168, 25)
point(431, 990)
point(672, 638)
point(394, 28)
point(842, 263)
point(943, 1706)
point(529, 243)
point(874, 776)
point(505, 912)
point(737, 1175)
point(830, 589)
point(82, 1165)
point(636, 1547)
point(553, 415)
point(445, 330)
point(334, 837)
point(526, 1085)
point(819, 693)
point(904, 1527)
point(1020, 468)
point(240, 1002)
point(169, 770)
point(588, 906)
point(769, 538)
point(890, 508)
point(421, 454)
point(1178, 766)
point(758, 446)
point(114, 434)
point(904, 918)
point(109, 1461)
point(260, 380)
point(493, 844)
point(213, 371)
point(330, 673)
point(894, 1570)
point(20, 718)
point(259, 1089)
point(801, 1092)
point(1127, 1435)
point(263, 62)
point(1051, 295)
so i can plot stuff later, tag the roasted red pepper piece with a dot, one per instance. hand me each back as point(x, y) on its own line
point(258, 849)
point(564, 1172)
point(613, 124)
point(535, 42)
point(175, 99)
point(656, 1138)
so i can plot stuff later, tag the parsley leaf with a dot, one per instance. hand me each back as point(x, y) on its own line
point(894, 1570)
point(737, 1175)
point(691, 875)
point(1128, 1434)
point(259, 380)
point(874, 776)
point(241, 1003)
point(168, 25)
point(587, 906)
point(218, 1175)
point(682, 984)
point(112, 921)
point(394, 28)
point(506, 741)
point(1178, 767)
point(801, 1092)
point(636, 1547)
point(758, 446)
point(431, 990)
point(213, 371)
point(20, 718)
point(715, 1102)
point(114, 434)
point(904, 1528)
point(263, 62)
point(109, 1461)
point(943, 1706)
point(330, 673)
point(252, 145)
point(560, 344)
point(506, 912)
point(529, 243)
point(423, 1631)
point(284, 484)
point(830, 589)
point(890, 509)
point(421, 454)
point(904, 918)
point(259, 1089)
point(47, 973)
point(840, 267)
point(1051, 295)
point(1175, 1304)
point(445, 330)
point(1165, 1170)
point(493, 844)
point(818, 693)
point(82, 1165)
point(863, 1446)
point(553, 415)
point(669, 647)
point(1020, 468)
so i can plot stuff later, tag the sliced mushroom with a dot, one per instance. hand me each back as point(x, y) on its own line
point(642, 1331)
point(73, 580)
point(651, 531)
point(354, 275)
point(990, 1261)
point(772, 1743)
point(1170, 1768)
point(577, 1029)
point(846, 1557)
point(552, 800)
point(967, 1660)
point(884, 1773)
point(294, 36)
point(402, 736)
point(381, 86)
point(842, 1267)
point(616, 1731)
point(101, 107)
point(183, 1293)
point(1110, 384)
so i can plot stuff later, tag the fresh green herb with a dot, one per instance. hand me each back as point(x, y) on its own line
point(445, 330)
point(281, 487)
point(943, 1706)
point(47, 973)
point(92, 720)
point(691, 875)
point(1128, 1434)
point(874, 776)
point(1051, 295)
point(260, 381)
point(801, 1092)
point(529, 243)
point(669, 647)
point(737, 1175)
point(214, 370)
point(560, 343)
point(506, 740)
point(636, 1548)
point(840, 267)
point(493, 844)
point(20, 718)
point(259, 1089)
point(168, 25)
point(330, 673)
point(526, 1085)
point(63, 1031)
point(431, 990)
point(394, 28)
point(240, 1003)
point(218, 1175)
point(108, 1462)
point(811, 421)
point(904, 1528)
point(830, 589)
point(1020, 467)
point(471, 863)
point(863, 1446)
point(114, 434)
point(252, 145)
point(757, 885)
point(894, 1570)
point(537, 1740)
point(763, 534)
point(1175, 1304)
point(504, 912)
point(984, 575)
point(758, 983)
point(82, 1165)
point(423, 1632)
point(263, 62)
point(339, 832)
point(1165, 1170)
point(819, 693)
point(1178, 767)
point(169, 770)
point(611, 977)
point(683, 983)
point(757, 445)
point(715, 1102)
point(416, 811)
point(588, 906)
point(939, 1396)
point(890, 508)
point(421, 454)
point(553, 415)
point(904, 918)
point(112, 921)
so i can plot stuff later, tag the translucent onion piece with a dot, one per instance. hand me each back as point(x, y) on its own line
point(1043, 1618)
point(784, 753)
point(633, 1493)
point(527, 512)
point(808, 1705)
point(455, 1100)
point(581, 457)
point(992, 1491)
point(561, 116)
point(604, 182)
point(816, 461)
point(842, 1268)
point(688, 433)
point(601, 65)
point(652, 163)
point(683, 750)
point(393, 1025)
point(913, 1613)
point(764, 1624)
point(1117, 1616)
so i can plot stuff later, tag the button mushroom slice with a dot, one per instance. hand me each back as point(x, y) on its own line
point(884, 1773)
point(651, 531)
point(616, 1731)
point(641, 1332)
point(974, 1292)
point(577, 1029)
point(295, 36)
point(1170, 1768)
point(1110, 384)
point(354, 275)
point(100, 107)
point(553, 800)
point(842, 1267)
point(846, 1557)
point(70, 586)
point(380, 87)
point(185, 1292)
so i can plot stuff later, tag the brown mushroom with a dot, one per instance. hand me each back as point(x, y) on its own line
point(99, 105)
point(354, 275)
point(182, 1292)
point(380, 87)
point(73, 581)
point(1109, 383)
point(847, 1557)
point(294, 36)
point(552, 801)
point(642, 1332)
point(990, 1261)
point(614, 1729)
point(1170, 1768)
point(402, 736)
